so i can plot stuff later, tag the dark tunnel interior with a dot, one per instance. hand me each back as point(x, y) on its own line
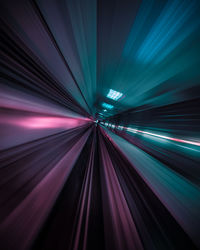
point(100, 125)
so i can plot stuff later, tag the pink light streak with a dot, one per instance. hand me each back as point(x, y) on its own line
point(45, 122)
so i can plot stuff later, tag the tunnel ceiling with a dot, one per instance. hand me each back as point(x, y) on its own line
point(145, 50)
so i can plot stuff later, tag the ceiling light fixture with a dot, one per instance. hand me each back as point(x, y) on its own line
point(114, 95)
point(107, 106)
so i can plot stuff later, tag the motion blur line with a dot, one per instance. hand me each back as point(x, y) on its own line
point(119, 216)
point(43, 197)
point(195, 143)
point(85, 200)
point(181, 197)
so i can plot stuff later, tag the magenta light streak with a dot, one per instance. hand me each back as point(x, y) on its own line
point(44, 122)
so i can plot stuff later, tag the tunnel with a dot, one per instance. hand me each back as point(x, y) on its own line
point(100, 125)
